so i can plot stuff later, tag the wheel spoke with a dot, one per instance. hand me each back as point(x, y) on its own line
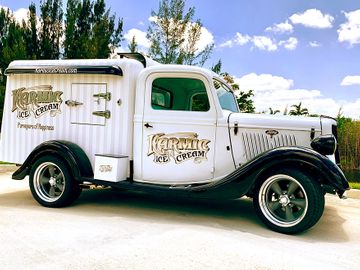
point(44, 180)
point(59, 177)
point(289, 213)
point(274, 205)
point(276, 188)
point(52, 191)
point(299, 202)
point(52, 171)
point(60, 187)
point(292, 187)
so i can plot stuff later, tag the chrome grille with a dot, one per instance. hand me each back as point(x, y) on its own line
point(257, 143)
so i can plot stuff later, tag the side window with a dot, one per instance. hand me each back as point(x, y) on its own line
point(179, 94)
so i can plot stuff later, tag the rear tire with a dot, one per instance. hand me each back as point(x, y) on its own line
point(52, 184)
point(288, 201)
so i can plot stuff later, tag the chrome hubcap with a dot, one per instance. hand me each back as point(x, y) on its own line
point(49, 182)
point(283, 200)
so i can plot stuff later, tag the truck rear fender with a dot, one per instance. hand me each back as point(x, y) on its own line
point(72, 154)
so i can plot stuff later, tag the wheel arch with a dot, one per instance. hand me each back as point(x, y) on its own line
point(72, 154)
point(304, 166)
point(243, 180)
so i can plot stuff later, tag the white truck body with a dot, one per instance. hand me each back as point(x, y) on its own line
point(141, 122)
point(95, 134)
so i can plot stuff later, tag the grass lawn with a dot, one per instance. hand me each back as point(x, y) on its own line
point(354, 185)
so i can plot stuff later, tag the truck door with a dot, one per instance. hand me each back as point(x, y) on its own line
point(178, 125)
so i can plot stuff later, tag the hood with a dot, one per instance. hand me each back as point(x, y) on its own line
point(281, 122)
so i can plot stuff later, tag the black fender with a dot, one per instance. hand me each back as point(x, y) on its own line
point(242, 180)
point(71, 153)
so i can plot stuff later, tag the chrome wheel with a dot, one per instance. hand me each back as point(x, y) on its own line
point(283, 200)
point(49, 182)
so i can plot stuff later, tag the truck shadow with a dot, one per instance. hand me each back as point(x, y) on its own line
point(237, 216)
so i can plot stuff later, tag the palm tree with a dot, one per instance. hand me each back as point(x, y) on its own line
point(298, 110)
point(271, 111)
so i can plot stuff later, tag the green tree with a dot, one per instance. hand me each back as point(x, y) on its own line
point(243, 98)
point(298, 110)
point(12, 46)
point(51, 29)
point(245, 101)
point(174, 35)
point(30, 33)
point(90, 30)
point(133, 45)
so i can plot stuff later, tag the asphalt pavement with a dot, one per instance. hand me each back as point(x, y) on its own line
point(106, 229)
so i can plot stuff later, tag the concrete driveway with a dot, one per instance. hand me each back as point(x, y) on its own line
point(105, 229)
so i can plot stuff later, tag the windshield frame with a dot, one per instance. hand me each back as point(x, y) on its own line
point(229, 90)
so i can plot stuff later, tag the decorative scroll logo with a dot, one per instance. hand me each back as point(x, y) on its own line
point(272, 132)
point(36, 100)
point(178, 146)
point(105, 168)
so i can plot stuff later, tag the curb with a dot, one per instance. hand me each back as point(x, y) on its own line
point(353, 194)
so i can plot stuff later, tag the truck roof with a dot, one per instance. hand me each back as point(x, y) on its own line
point(80, 66)
point(96, 66)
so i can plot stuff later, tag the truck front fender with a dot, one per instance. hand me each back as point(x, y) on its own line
point(243, 179)
point(72, 154)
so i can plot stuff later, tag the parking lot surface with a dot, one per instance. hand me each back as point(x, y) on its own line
point(106, 229)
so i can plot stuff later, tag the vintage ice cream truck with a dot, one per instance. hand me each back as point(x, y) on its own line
point(134, 124)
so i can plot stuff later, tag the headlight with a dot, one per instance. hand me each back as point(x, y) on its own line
point(325, 145)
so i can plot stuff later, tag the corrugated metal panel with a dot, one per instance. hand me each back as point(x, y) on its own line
point(257, 143)
point(20, 136)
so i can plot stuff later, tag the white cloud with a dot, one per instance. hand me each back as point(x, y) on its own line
point(227, 43)
point(264, 43)
point(312, 18)
point(314, 44)
point(263, 82)
point(19, 15)
point(281, 28)
point(241, 39)
point(350, 30)
point(289, 44)
point(140, 37)
point(279, 93)
point(352, 109)
point(206, 38)
point(351, 80)
point(153, 18)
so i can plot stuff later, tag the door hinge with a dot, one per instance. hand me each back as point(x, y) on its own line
point(105, 114)
point(73, 103)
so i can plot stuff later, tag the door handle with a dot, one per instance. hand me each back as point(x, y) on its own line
point(105, 114)
point(147, 125)
point(73, 103)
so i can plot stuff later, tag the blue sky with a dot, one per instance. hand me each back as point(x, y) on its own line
point(286, 50)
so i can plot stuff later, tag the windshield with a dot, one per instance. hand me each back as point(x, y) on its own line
point(226, 97)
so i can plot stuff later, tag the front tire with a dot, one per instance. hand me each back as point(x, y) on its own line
point(288, 201)
point(52, 184)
